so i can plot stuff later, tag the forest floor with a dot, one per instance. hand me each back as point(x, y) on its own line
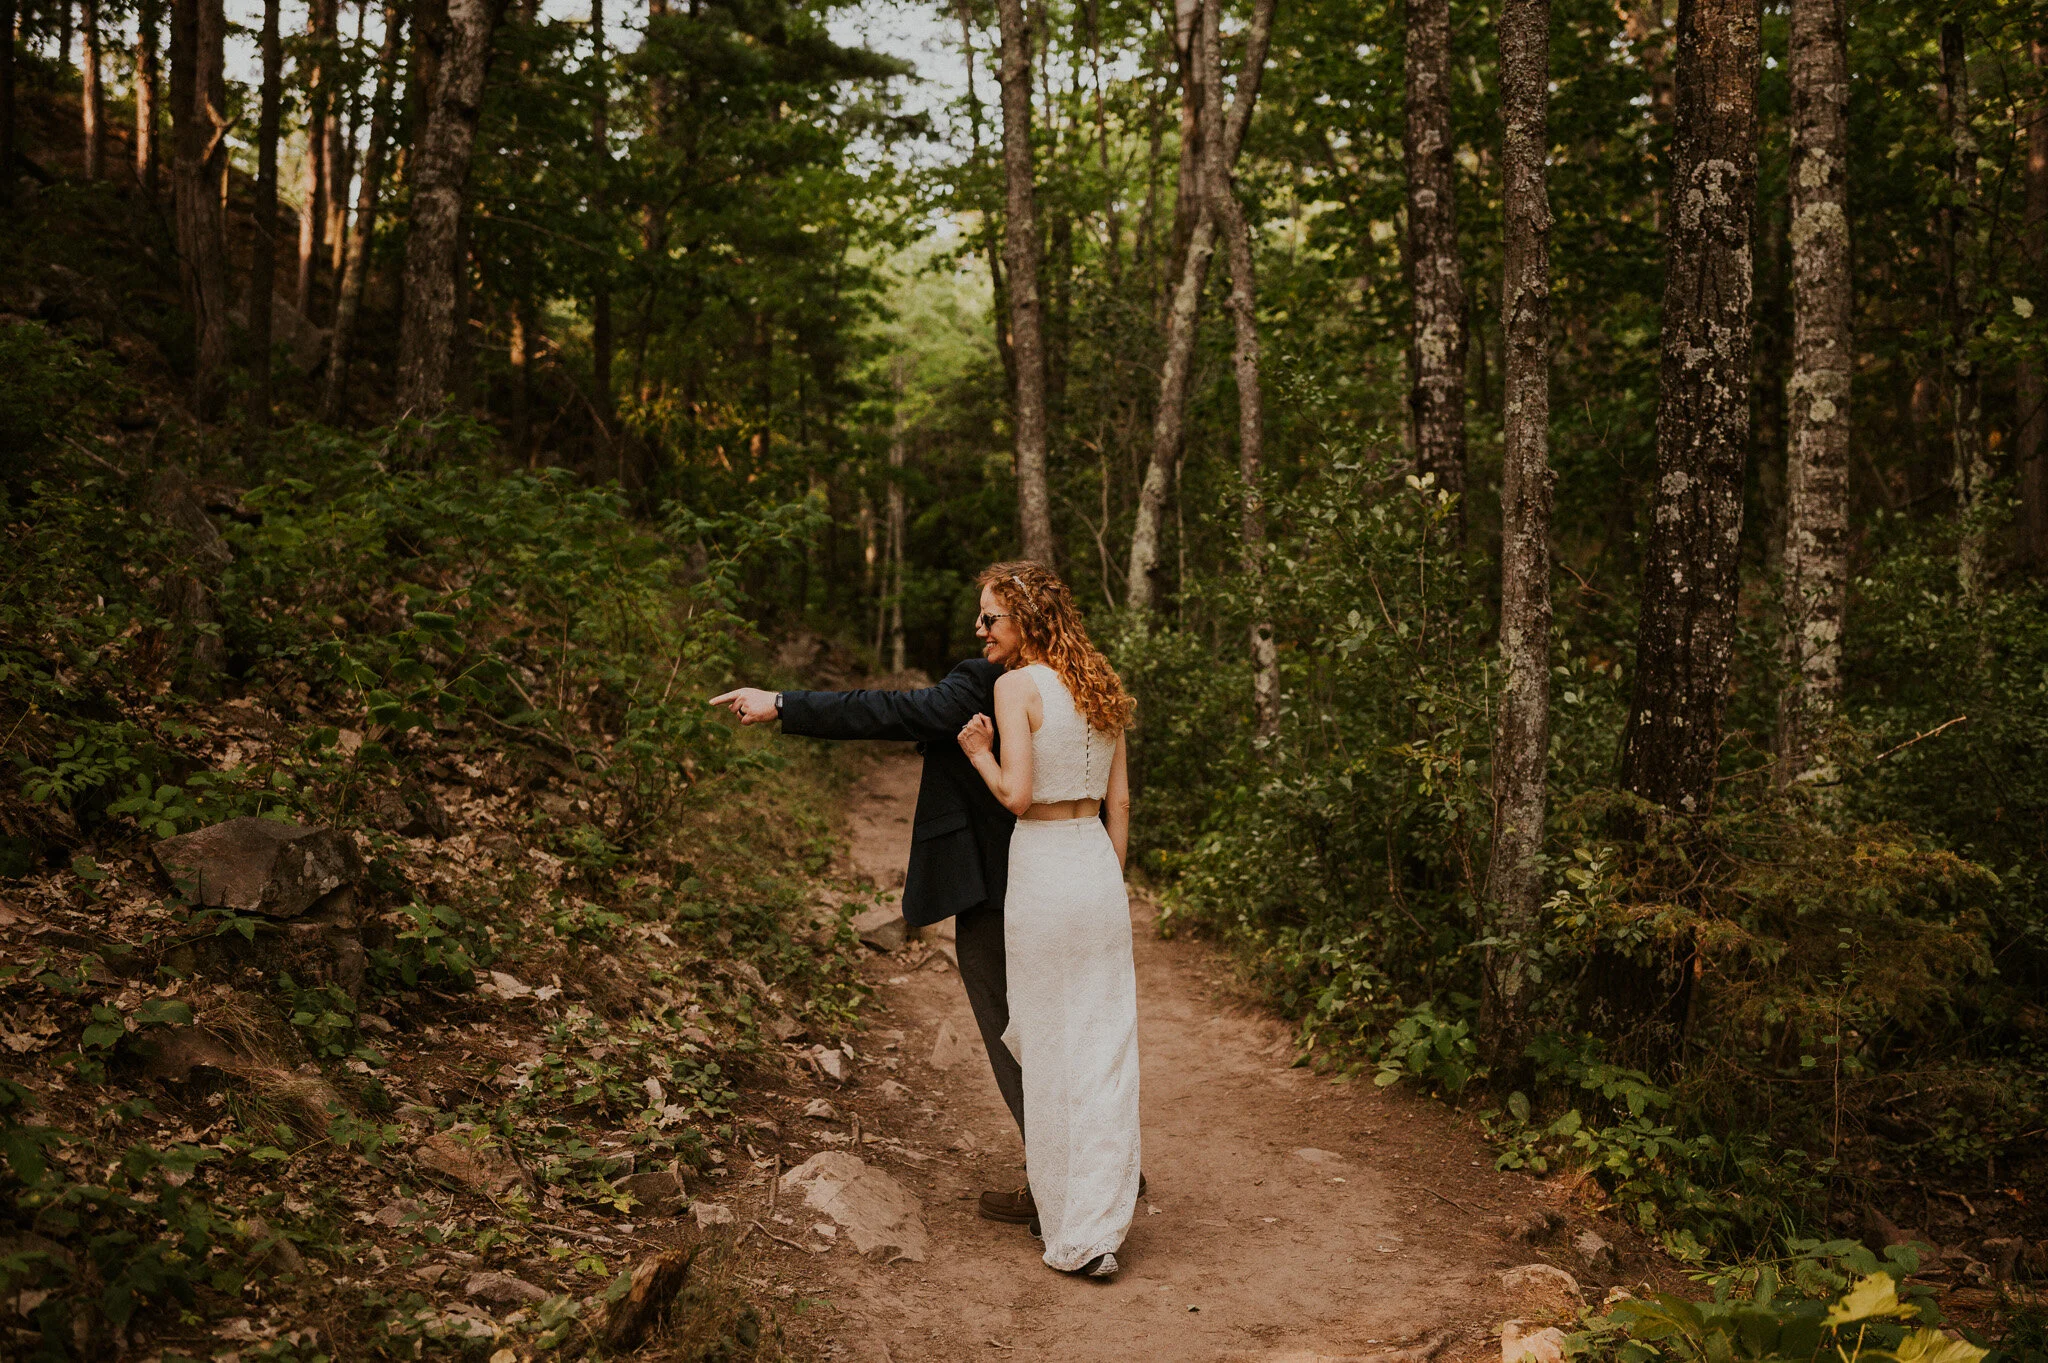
point(1290, 1217)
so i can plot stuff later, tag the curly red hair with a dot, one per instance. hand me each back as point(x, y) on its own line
point(1044, 610)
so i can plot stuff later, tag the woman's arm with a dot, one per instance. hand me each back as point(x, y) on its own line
point(1008, 778)
point(1117, 802)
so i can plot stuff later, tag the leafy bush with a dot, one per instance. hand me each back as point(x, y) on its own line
point(1815, 1315)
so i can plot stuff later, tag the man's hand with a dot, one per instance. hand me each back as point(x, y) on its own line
point(751, 704)
point(977, 736)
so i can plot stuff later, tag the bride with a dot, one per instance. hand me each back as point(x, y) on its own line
point(1060, 716)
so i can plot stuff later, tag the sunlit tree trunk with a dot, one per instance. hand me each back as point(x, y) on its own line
point(1816, 557)
point(1027, 313)
point(1436, 357)
point(1235, 229)
point(263, 250)
point(348, 302)
point(2030, 450)
point(342, 123)
point(1521, 740)
point(199, 113)
point(1971, 475)
point(93, 97)
point(433, 247)
point(320, 31)
point(1182, 317)
point(148, 30)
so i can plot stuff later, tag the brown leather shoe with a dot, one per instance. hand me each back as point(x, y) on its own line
point(1016, 1208)
point(1019, 1207)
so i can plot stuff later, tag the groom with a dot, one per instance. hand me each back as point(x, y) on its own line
point(960, 840)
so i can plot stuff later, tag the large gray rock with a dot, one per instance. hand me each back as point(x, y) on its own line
point(261, 866)
point(882, 928)
point(879, 1215)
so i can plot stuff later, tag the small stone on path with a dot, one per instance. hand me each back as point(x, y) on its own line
point(948, 1047)
point(502, 1289)
point(1520, 1342)
point(710, 1214)
point(1540, 1287)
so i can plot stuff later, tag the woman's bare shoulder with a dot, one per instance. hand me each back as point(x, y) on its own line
point(1017, 683)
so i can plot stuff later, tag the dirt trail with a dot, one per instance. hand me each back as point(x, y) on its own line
point(1290, 1218)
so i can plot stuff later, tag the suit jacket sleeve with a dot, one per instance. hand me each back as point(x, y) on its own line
point(930, 714)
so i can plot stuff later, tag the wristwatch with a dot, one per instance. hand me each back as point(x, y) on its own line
point(778, 705)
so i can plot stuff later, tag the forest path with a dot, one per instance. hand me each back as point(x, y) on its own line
point(1290, 1218)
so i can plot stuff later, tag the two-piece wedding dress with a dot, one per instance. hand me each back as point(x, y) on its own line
point(1073, 995)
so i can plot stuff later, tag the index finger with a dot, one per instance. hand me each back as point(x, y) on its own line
point(720, 700)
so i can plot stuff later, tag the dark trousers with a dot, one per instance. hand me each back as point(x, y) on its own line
point(978, 937)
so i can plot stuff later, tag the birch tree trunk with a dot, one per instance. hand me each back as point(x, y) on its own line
point(1971, 474)
point(1816, 557)
point(2032, 443)
point(93, 96)
point(199, 113)
point(263, 251)
point(1168, 422)
point(1436, 356)
point(1251, 406)
point(1687, 632)
point(1521, 741)
point(426, 337)
point(348, 302)
point(1027, 311)
point(321, 19)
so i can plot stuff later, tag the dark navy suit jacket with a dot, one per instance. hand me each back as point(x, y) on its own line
point(960, 839)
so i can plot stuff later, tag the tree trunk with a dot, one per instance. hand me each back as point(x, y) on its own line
point(1027, 313)
point(263, 251)
point(348, 302)
point(1971, 471)
point(426, 337)
point(1169, 420)
point(1242, 303)
point(93, 98)
point(199, 111)
point(7, 13)
point(1436, 357)
point(342, 126)
point(893, 571)
point(320, 29)
point(1521, 741)
point(2031, 449)
point(601, 341)
point(1816, 557)
point(148, 24)
point(1686, 635)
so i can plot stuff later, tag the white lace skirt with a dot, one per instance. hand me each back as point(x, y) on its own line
point(1074, 1029)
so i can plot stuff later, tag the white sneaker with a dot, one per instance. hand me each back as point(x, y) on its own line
point(1105, 1267)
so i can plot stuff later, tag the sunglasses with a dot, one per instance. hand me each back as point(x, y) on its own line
point(988, 619)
